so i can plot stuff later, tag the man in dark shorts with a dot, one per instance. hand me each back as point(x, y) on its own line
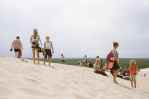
point(113, 57)
point(48, 50)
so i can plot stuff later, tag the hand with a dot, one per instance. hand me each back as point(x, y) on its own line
point(112, 59)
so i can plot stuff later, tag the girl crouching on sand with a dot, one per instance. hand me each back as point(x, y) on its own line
point(48, 47)
point(133, 68)
point(17, 46)
point(97, 65)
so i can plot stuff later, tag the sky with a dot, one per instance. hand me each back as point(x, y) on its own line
point(78, 27)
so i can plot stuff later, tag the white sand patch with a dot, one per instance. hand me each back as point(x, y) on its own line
point(24, 80)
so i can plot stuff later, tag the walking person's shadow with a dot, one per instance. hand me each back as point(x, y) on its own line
point(124, 86)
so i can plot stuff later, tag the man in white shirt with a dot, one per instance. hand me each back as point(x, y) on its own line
point(48, 50)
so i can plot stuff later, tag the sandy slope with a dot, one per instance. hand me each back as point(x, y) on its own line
point(23, 80)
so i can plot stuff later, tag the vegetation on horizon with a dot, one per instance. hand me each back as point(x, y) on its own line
point(124, 62)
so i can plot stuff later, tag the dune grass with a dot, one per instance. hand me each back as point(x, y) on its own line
point(142, 62)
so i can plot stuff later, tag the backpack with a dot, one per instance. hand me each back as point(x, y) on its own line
point(110, 62)
point(109, 56)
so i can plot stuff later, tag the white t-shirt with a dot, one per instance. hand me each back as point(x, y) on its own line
point(48, 45)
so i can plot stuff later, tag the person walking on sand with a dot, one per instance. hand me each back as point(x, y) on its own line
point(17, 47)
point(133, 69)
point(35, 41)
point(113, 61)
point(48, 49)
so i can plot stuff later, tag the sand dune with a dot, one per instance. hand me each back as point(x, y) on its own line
point(24, 80)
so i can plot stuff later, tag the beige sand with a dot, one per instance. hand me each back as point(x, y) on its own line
point(23, 80)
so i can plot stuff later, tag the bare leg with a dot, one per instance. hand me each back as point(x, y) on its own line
point(135, 85)
point(17, 54)
point(50, 60)
point(20, 53)
point(131, 81)
point(45, 58)
point(115, 72)
point(114, 77)
point(33, 52)
point(38, 56)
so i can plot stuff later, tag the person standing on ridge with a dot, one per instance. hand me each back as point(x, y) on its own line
point(35, 41)
point(133, 70)
point(17, 47)
point(48, 49)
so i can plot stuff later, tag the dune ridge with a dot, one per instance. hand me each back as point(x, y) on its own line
point(22, 79)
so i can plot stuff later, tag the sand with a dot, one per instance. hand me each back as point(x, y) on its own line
point(24, 80)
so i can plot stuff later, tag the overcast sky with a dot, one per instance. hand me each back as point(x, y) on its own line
point(78, 27)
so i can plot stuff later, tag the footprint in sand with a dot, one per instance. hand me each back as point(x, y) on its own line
point(33, 92)
point(3, 97)
point(5, 91)
point(32, 80)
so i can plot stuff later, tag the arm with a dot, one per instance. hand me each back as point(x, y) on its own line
point(39, 40)
point(137, 69)
point(21, 45)
point(12, 45)
point(31, 39)
point(95, 62)
point(129, 68)
point(112, 58)
point(52, 47)
point(44, 45)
